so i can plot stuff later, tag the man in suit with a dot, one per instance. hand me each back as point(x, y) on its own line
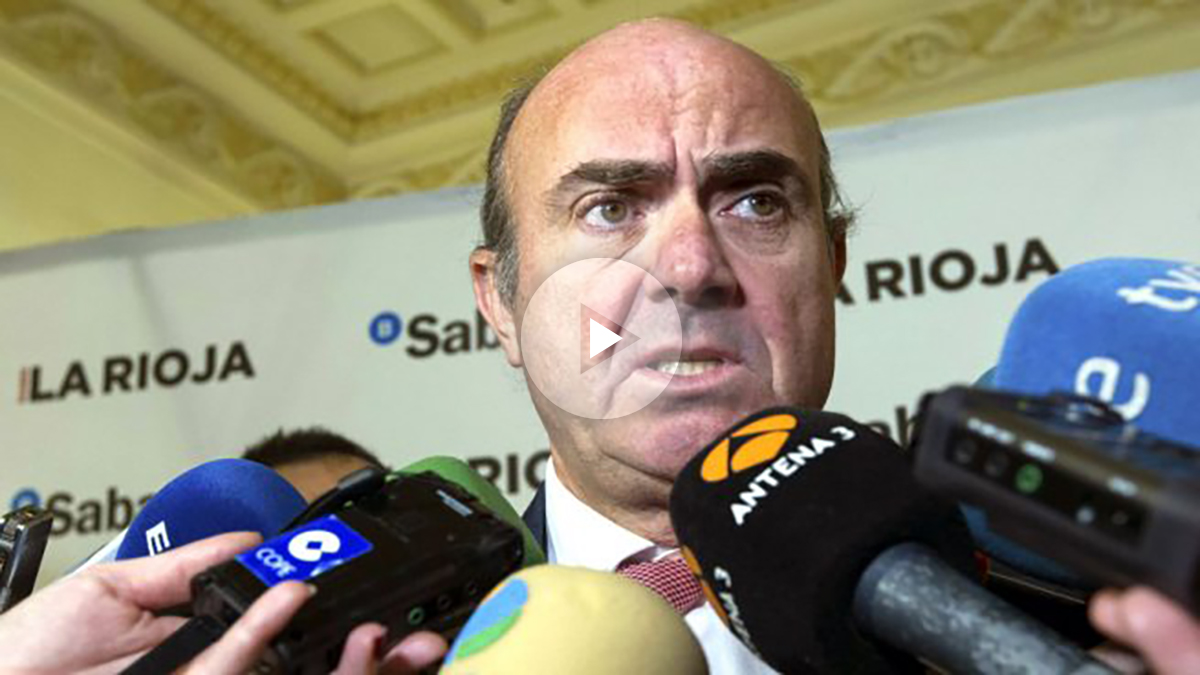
point(692, 157)
point(695, 159)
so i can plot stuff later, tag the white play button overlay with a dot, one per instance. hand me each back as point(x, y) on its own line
point(603, 336)
point(600, 338)
point(592, 333)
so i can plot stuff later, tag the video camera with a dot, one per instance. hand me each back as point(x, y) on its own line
point(408, 551)
point(1068, 478)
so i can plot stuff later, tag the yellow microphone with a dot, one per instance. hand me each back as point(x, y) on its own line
point(557, 619)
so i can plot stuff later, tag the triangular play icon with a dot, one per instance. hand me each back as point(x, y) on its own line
point(601, 338)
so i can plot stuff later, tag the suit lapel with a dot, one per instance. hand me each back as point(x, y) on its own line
point(535, 516)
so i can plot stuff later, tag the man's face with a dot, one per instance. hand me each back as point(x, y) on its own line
point(698, 164)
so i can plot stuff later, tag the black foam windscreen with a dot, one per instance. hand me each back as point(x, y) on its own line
point(781, 515)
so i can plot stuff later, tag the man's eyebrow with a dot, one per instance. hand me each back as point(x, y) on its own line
point(611, 172)
point(754, 165)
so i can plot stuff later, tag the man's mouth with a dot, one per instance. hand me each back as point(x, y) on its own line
point(686, 368)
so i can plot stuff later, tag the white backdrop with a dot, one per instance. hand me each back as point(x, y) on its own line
point(290, 304)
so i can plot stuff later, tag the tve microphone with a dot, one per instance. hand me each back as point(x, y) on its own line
point(552, 619)
point(224, 495)
point(793, 518)
point(1123, 330)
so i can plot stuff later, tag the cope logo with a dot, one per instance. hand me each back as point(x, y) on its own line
point(756, 443)
point(305, 552)
point(426, 335)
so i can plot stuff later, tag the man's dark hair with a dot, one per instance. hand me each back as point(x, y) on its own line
point(499, 227)
point(300, 445)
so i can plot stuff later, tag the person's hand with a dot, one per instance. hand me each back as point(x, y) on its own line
point(101, 620)
point(1161, 631)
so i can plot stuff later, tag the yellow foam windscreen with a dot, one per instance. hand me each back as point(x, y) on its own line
point(558, 619)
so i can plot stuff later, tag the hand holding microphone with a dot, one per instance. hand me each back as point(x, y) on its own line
point(1124, 331)
point(1162, 632)
point(100, 620)
point(261, 614)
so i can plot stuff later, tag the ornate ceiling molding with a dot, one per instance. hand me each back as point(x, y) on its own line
point(463, 169)
point(972, 39)
point(857, 69)
point(357, 126)
point(87, 58)
point(241, 48)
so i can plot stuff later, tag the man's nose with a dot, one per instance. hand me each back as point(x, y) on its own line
point(691, 263)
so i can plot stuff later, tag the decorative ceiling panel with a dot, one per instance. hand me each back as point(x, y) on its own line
point(487, 17)
point(373, 96)
point(377, 39)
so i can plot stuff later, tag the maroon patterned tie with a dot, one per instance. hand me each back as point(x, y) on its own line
point(669, 577)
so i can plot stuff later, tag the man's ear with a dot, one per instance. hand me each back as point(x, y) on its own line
point(487, 299)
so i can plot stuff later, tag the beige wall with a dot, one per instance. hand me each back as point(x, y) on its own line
point(66, 172)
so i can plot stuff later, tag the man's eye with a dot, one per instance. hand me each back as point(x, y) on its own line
point(758, 206)
point(607, 214)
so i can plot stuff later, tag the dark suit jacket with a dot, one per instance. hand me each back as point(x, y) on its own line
point(535, 516)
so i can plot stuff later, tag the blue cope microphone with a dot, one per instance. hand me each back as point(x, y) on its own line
point(224, 495)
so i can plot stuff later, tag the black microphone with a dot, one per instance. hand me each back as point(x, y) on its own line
point(820, 551)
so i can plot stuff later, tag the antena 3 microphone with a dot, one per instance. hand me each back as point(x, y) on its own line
point(791, 514)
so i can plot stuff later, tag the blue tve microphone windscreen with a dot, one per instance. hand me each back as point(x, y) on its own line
point(1124, 330)
point(225, 495)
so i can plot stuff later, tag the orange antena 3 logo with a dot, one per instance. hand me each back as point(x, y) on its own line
point(758, 443)
point(765, 438)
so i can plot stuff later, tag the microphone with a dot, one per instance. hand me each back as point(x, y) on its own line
point(1123, 330)
point(460, 473)
point(1116, 329)
point(412, 550)
point(1019, 568)
point(553, 619)
point(224, 495)
point(810, 534)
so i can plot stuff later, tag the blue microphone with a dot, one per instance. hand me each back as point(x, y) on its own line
point(224, 495)
point(1123, 330)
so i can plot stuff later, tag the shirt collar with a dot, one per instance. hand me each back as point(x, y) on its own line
point(577, 534)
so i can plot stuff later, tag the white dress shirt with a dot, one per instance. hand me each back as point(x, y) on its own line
point(576, 534)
